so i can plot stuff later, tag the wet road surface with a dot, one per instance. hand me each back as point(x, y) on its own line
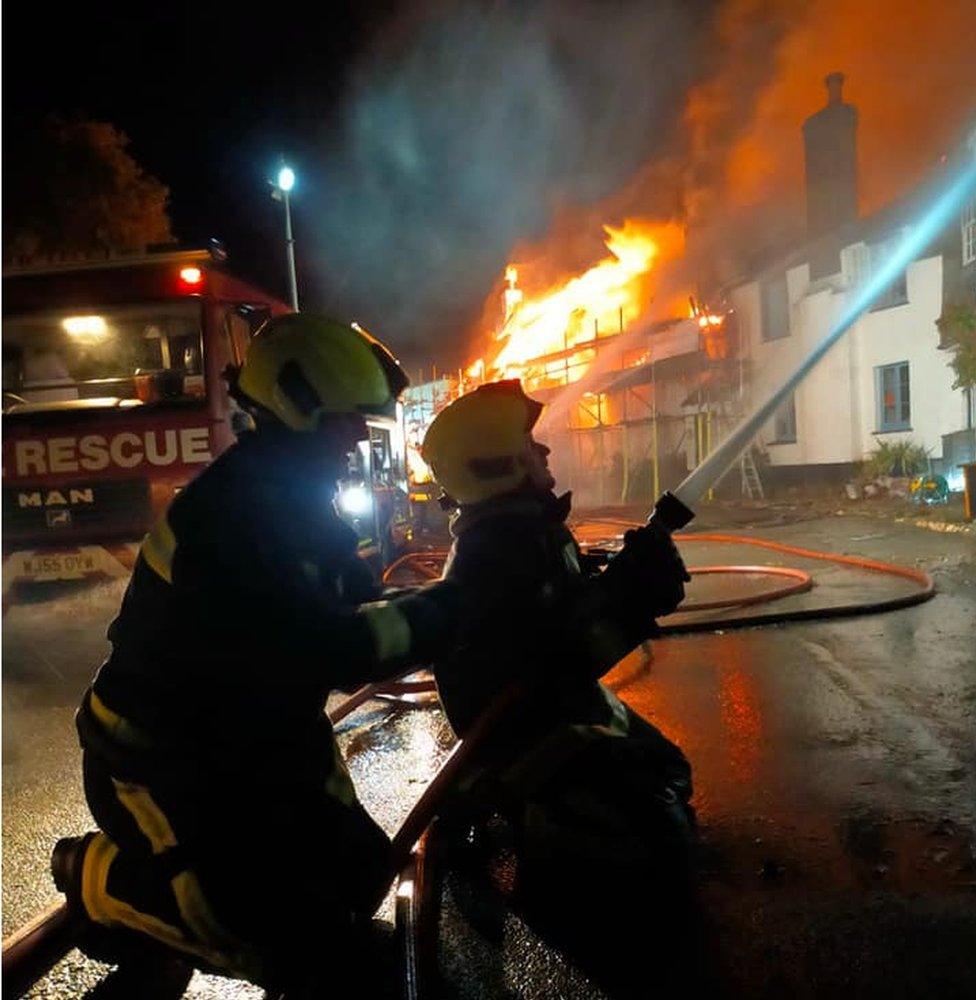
point(834, 775)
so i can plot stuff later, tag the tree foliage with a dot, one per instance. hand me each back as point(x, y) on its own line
point(74, 192)
point(957, 330)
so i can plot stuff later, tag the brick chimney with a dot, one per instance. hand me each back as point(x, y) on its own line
point(830, 147)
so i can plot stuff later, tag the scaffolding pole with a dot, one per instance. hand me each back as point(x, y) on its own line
point(654, 447)
point(708, 440)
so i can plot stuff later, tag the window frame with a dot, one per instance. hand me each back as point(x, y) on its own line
point(968, 232)
point(902, 423)
point(104, 385)
point(764, 309)
point(782, 428)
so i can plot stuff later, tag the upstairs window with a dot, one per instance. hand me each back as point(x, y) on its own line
point(775, 309)
point(897, 292)
point(969, 232)
point(784, 423)
point(894, 411)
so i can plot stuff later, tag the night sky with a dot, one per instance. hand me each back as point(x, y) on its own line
point(208, 98)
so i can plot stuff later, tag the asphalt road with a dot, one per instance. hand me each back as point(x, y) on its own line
point(834, 775)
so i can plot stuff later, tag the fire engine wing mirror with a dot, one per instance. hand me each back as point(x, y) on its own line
point(255, 315)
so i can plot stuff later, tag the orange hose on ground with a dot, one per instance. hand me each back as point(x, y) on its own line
point(920, 577)
point(803, 584)
point(924, 580)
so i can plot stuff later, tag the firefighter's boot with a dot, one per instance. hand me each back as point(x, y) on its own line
point(145, 968)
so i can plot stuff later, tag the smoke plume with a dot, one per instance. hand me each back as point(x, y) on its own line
point(468, 127)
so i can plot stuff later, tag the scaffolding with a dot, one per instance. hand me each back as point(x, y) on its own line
point(635, 408)
point(634, 426)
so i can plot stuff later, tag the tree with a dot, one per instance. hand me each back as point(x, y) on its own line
point(74, 192)
point(957, 330)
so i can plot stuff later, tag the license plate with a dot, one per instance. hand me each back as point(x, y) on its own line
point(56, 566)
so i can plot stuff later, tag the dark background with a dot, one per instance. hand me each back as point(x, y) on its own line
point(209, 94)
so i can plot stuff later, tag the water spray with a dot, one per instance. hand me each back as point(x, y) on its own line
point(673, 509)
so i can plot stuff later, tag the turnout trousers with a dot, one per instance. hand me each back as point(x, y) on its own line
point(258, 880)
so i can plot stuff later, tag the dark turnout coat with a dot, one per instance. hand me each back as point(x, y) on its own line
point(572, 749)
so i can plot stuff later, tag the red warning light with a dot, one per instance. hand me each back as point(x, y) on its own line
point(191, 278)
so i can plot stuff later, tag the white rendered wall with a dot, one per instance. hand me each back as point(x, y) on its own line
point(836, 408)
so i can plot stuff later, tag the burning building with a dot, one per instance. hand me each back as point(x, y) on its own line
point(642, 379)
point(638, 380)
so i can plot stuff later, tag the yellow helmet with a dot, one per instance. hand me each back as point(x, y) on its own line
point(302, 367)
point(474, 447)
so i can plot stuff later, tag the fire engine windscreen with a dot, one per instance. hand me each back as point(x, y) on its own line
point(129, 355)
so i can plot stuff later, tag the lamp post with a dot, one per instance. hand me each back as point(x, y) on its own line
point(281, 189)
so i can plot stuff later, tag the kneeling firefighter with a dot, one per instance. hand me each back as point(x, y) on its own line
point(230, 830)
point(598, 797)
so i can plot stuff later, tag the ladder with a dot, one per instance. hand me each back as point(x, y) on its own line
point(751, 483)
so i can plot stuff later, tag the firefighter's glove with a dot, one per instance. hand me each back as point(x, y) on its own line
point(647, 576)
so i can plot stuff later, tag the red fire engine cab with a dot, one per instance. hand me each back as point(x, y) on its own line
point(112, 399)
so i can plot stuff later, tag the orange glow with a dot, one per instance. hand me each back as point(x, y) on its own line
point(606, 298)
point(739, 177)
point(744, 124)
point(741, 710)
point(417, 468)
point(191, 275)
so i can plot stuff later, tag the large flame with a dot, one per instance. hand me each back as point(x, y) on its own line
point(606, 298)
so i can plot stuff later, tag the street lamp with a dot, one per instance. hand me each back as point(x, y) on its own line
point(281, 188)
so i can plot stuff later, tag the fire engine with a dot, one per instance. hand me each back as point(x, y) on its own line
point(373, 497)
point(113, 399)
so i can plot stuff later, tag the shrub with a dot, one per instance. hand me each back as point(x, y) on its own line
point(900, 458)
point(957, 331)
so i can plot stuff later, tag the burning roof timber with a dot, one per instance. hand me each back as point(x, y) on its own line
point(670, 347)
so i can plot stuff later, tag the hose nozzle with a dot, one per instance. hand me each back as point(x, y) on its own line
point(669, 513)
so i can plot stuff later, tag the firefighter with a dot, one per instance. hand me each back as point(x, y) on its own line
point(597, 796)
point(230, 831)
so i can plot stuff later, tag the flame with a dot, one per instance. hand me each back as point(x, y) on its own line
point(609, 295)
point(418, 470)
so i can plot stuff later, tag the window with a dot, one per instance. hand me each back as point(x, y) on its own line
point(775, 309)
point(894, 400)
point(969, 232)
point(784, 423)
point(897, 292)
point(139, 353)
point(241, 323)
point(855, 264)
